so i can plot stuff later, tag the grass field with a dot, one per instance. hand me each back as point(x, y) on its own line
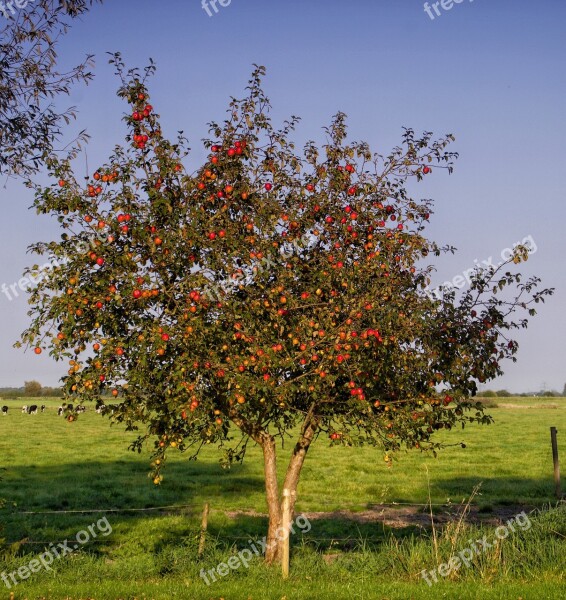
point(53, 466)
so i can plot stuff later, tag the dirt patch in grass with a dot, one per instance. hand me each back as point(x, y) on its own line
point(399, 517)
point(419, 516)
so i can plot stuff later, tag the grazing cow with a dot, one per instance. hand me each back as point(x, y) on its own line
point(60, 411)
point(4, 410)
point(43, 407)
point(25, 408)
point(32, 410)
point(80, 409)
point(100, 409)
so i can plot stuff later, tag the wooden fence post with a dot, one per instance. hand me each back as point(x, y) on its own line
point(285, 525)
point(203, 528)
point(554, 442)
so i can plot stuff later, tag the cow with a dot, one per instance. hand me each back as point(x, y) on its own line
point(60, 411)
point(4, 410)
point(100, 409)
point(32, 410)
point(25, 408)
point(43, 407)
point(80, 409)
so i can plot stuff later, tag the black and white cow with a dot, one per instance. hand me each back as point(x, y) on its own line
point(25, 408)
point(100, 409)
point(43, 407)
point(70, 408)
point(30, 410)
point(4, 410)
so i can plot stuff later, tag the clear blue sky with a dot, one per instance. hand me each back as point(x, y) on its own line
point(490, 72)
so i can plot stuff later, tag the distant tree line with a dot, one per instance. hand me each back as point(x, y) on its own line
point(507, 394)
point(32, 389)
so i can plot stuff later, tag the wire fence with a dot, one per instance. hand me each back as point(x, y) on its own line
point(340, 508)
point(337, 507)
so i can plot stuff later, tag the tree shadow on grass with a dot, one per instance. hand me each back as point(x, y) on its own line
point(504, 490)
point(142, 518)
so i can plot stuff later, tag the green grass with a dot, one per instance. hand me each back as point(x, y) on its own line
point(53, 465)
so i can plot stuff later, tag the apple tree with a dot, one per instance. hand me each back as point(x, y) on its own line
point(269, 296)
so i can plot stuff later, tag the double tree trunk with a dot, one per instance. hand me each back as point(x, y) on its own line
point(275, 532)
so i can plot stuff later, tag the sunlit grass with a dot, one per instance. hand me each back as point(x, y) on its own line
point(55, 464)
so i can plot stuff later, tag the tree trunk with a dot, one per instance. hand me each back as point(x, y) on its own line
point(275, 535)
point(272, 551)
